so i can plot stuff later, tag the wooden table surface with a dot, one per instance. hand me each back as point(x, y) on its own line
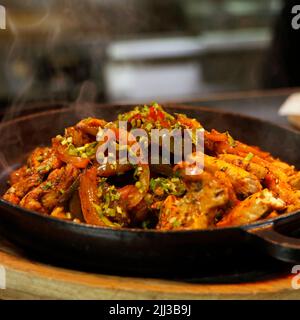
point(29, 279)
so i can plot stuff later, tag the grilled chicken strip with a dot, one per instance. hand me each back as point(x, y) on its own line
point(256, 169)
point(19, 174)
point(294, 181)
point(197, 209)
point(43, 160)
point(51, 193)
point(257, 206)
point(244, 183)
point(18, 190)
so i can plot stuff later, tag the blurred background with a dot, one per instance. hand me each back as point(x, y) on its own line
point(140, 50)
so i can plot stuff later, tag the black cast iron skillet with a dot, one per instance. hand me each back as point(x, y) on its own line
point(139, 251)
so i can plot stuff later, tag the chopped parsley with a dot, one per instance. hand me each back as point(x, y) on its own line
point(167, 186)
point(46, 167)
point(249, 156)
point(86, 151)
point(176, 223)
point(47, 185)
point(108, 209)
point(231, 141)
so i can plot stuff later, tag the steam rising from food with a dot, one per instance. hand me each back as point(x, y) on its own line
point(43, 25)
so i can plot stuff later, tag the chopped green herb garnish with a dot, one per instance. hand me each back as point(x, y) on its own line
point(47, 185)
point(44, 168)
point(249, 156)
point(231, 141)
point(176, 223)
point(161, 186)
point(72, 151)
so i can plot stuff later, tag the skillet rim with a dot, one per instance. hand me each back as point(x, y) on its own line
point(246, 227)
point(253, 225)
point(167, 105)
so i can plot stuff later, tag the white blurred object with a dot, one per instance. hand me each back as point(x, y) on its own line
point(2, 277)
point(170, 68)
point(291, 109)
point(291, 106)
point(152, 69)
point(154, 48)
point(157, 81)
point(2, 17)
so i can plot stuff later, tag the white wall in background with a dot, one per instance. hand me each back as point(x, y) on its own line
point(140, 81)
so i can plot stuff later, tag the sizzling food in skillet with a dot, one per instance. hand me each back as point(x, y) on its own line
point(240, 184)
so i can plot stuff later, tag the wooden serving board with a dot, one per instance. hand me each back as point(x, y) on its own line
point(27, 279)
point(295, 121)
